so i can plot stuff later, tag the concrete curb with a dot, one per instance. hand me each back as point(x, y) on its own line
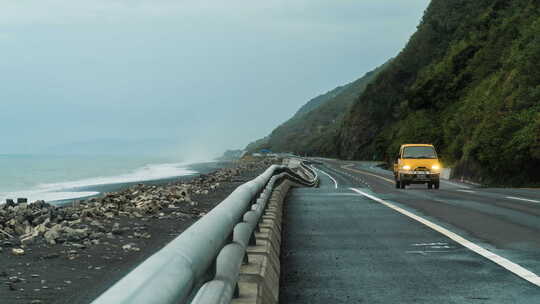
point(259, 277)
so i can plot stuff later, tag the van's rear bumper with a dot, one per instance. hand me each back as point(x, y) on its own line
point(419, 178)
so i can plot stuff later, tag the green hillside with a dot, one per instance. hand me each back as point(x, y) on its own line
point(319, 101)
point(469, 82)
point(313, 129)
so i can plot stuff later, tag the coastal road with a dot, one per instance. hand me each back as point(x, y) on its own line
point(358, 239)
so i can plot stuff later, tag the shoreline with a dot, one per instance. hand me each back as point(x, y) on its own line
point(81, 250)
point(96, 191)
point(201, 168)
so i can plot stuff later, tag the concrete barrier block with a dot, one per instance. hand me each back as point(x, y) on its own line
point(259, 279)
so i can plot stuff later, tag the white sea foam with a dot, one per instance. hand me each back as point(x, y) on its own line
point(68, 190)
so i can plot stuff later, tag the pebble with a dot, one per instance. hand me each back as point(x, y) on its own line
point(17, 251)
point(51, 256)
point(15, 279)
point(131, 247)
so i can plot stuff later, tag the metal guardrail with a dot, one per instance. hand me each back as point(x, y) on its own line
point(219, 238)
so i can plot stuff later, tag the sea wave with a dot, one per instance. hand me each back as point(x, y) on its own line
point(82, 188)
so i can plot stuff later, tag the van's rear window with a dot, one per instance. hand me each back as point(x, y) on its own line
point(419, 152)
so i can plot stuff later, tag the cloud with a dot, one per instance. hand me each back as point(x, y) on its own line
point(221, 72)
point(79, 11)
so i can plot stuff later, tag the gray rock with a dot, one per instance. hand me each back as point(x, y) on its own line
point(51, 256)
point(28, 239)
point(51, 236)
point(116, 229)
point(17, 251)
point(77, 245)
point(130, 247)
point(9, 203)
point(74, 235)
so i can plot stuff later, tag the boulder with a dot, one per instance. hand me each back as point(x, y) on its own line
point(9, 203)
point(51, 236)
point(74, 235)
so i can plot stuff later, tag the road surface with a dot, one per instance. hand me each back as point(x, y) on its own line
point(358, 239)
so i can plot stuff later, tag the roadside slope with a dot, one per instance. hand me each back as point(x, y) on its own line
point(468, 82)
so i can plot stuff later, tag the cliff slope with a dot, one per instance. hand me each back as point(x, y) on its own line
point(468, 81)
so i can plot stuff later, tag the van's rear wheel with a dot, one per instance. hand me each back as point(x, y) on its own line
point(437, 185)
point(398, 184)
point(429, 185)
point(402, 185)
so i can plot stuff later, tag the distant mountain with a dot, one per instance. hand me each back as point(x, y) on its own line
point(319, 101)
point(317, 122)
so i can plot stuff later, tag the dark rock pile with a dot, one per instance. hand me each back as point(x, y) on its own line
point(85, 223)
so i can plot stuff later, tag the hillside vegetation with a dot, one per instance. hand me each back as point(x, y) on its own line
point(469, 82)
point(313, 129)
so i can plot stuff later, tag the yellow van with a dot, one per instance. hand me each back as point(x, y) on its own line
point(417, 164)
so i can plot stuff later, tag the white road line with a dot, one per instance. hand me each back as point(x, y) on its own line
point(335, 182)
point(505, 263)
point(468, 191)
point(454, 184)
point(523, 199)
point(348, 167)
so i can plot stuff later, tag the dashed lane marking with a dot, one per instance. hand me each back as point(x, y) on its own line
point(348, 167)
point(523, 199)
point(503, 262)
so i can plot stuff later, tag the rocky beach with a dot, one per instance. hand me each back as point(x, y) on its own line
point(71, 254)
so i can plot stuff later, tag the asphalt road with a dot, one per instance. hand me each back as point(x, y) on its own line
point(357, 239)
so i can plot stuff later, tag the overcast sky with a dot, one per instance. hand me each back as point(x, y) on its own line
point(205, 74)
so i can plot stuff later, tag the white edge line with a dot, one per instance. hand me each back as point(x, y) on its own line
point(467, 191)
point(522, 199)
point(391, 181)
point(505, 263)
point(454, 184)
point(335, 182)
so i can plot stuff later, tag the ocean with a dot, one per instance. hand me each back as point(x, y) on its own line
point(60, 178)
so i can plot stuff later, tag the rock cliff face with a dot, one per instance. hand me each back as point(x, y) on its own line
point(468, 81)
